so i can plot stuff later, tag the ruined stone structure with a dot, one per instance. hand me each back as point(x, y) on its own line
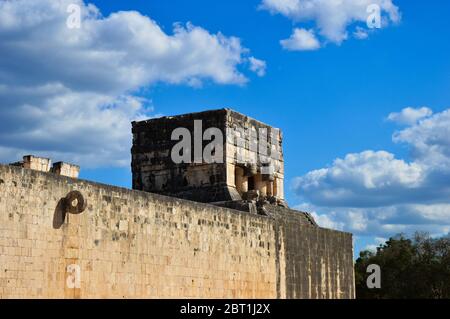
point(239, 174)
point(44, 165)
point(62, 237)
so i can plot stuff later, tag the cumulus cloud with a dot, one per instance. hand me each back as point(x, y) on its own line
point(410, 115)
point(429, 142)
point(384, 221)
point(72, 92)
point(301, 40)
point(375, 193)
point(333, 19)
point(363, 179)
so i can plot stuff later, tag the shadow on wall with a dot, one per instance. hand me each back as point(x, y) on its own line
point(60, 214)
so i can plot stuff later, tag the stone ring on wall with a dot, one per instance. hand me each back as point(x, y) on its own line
point(75, 202)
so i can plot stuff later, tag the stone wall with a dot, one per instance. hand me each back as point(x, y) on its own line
point(44, 165)
point(250, 146)
point(65, 169)
point(131, 244)
point(154, 170)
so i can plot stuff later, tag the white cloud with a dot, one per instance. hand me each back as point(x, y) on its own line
point(375, 194)
point(331, 18)
point(409, 115)
point(301, 40)
point(363, 179)
point(429, 141)
point(327, 221)
point(257, 66)
point(73, 92)
point(323, 220)
point(385, 221)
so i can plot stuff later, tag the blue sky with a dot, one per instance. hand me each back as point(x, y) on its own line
point(329, 101)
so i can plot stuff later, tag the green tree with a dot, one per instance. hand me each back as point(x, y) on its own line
point(417, 267)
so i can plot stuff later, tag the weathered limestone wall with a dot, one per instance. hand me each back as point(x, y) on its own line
point(44, 165)
point(155, 171)
point(245, 137)
point(131, 244)
point(319, 262)
point(65, 169)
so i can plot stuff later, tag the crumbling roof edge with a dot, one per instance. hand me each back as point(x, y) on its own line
point(227, 110)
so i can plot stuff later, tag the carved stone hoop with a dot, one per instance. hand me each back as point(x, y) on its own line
point(75, 202)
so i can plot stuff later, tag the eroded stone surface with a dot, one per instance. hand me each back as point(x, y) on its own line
point(131, 244)
point(155, 171)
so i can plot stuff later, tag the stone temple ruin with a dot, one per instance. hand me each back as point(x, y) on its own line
point(214, 224)
point(245, 176)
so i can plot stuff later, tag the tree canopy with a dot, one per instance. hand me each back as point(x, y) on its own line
point(417, 267)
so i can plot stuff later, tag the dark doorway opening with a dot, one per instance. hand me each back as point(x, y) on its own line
point(251, 183)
